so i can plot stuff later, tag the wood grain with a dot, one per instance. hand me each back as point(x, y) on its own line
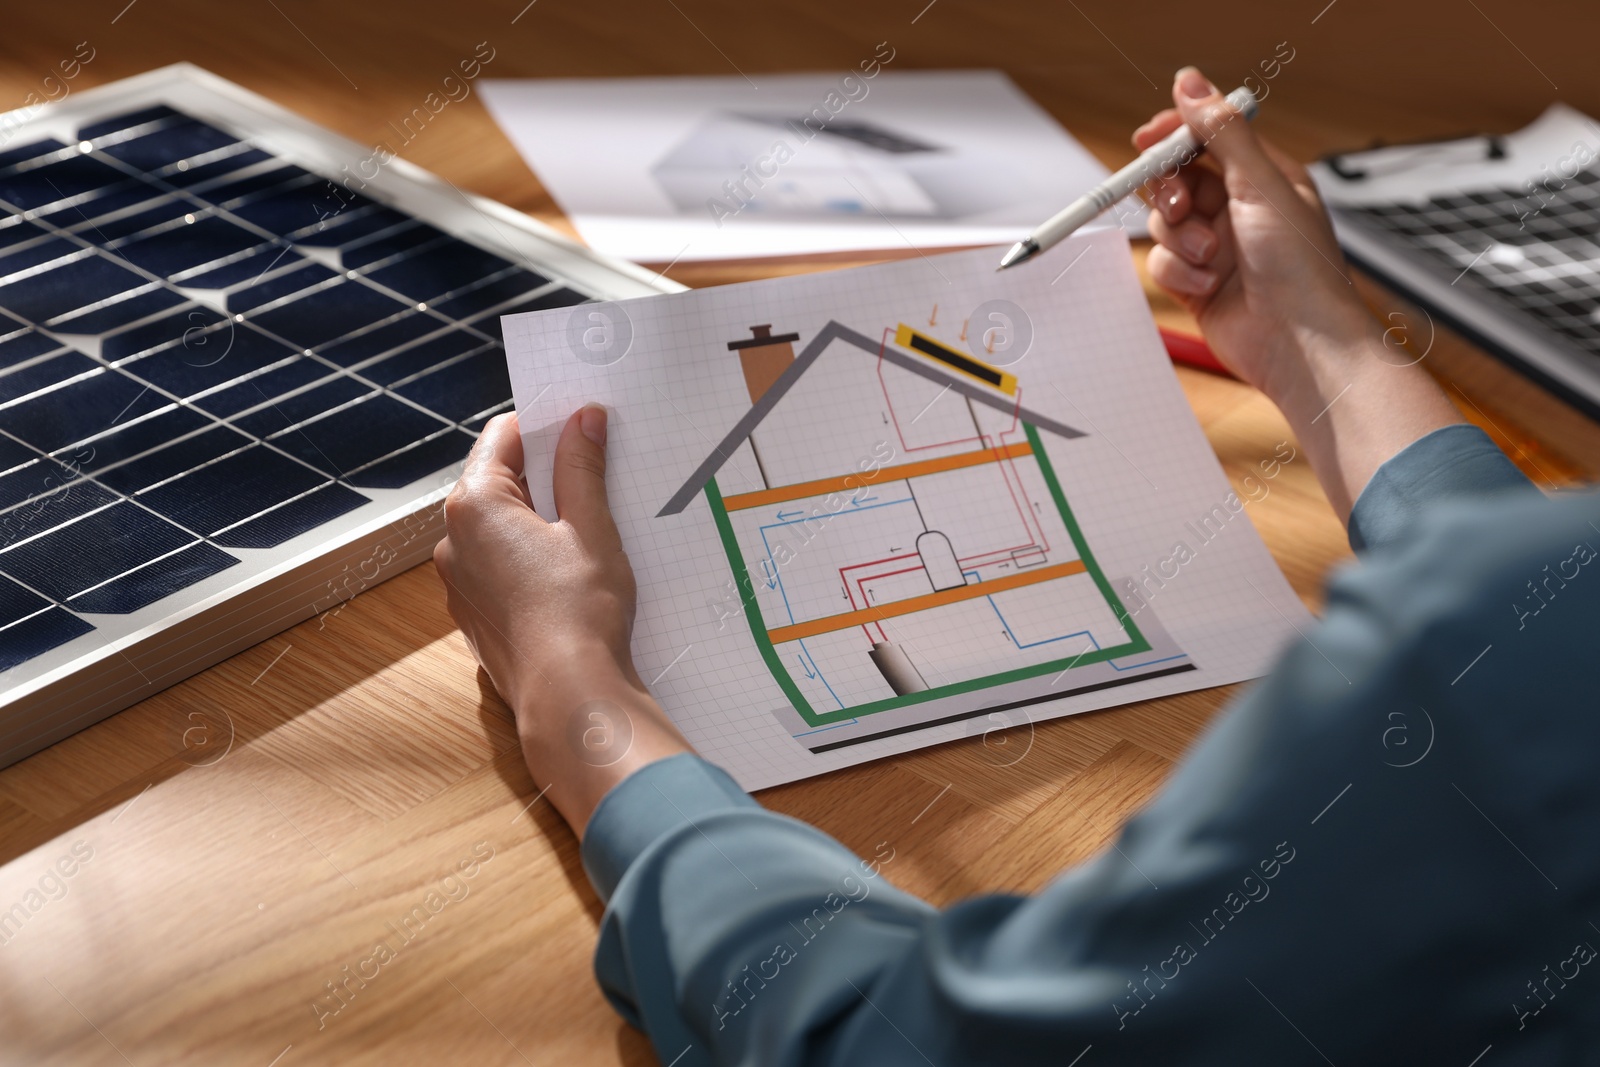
point(344, 771)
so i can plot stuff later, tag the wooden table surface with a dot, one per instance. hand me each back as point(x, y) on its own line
point(239, 843)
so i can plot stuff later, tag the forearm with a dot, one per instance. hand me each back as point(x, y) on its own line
point(1353, 402)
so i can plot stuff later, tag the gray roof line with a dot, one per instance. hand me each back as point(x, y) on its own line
point(829, 333)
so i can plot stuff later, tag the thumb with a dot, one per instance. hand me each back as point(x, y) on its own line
point(1247, 169)
point(579, 477)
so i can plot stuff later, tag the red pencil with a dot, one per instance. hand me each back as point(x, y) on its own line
point(1187, 348)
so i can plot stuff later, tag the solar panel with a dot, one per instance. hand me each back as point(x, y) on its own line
point(224, 374)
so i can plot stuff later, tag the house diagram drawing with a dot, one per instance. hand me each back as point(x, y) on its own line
point(897, 530)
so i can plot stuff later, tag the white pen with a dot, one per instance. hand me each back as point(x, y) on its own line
point(1162, 158)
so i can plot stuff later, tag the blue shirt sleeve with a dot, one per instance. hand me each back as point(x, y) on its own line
point(1381, 854)
point(1455, 461)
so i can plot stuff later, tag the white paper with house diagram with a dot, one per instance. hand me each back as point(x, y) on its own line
point(877, 509)
point(663, 170)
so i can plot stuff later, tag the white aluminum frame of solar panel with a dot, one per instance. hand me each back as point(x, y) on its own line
point(129, 656)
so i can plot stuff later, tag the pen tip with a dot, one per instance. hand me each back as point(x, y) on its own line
point(1022, 250)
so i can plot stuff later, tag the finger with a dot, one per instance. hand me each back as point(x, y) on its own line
point(494, 465)
point(1170, 272)
point(1192, 240)
point(580, 475)
point(1170, 196)
point(1209, 192)
point(1292, 168)
point(1250, 174)
point(1159, 126)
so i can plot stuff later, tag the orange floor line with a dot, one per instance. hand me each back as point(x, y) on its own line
point(852, 482)
point(845, 620)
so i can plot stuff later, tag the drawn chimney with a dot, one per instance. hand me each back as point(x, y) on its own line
point(764, 357)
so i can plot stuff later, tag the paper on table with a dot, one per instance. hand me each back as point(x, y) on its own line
point(645, 167)
point(876, 509)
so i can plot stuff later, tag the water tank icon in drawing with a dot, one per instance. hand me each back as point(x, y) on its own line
point(939, 560)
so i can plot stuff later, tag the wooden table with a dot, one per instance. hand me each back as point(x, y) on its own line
point(239, 843)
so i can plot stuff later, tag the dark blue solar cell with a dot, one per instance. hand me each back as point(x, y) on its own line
point(82, 215)
point(41, 297)
point(46, 495)
point(358, 434)
point(326, 314)
point(406, 467)
point(389, 244)
point(73, 412)
point(287, 411)
point(97, 547)
point(553, 299)
point(14, 454)
point(231, 490)
point(173, 459)
point(299, 206)
point(168, 145)
point(254, 185)
point(13, 231)
point(46, 372)
point(293, 518)
point(351, 226)
point(272, 289)
point(72, 176)
point(437, 269)
point(190, 325)
point(188, 177)
point(23, 641)
point(162, 578)
point(17, 603)
point(419, 358)
point(263, 388)
point(491, 294)
point(117, 315)
point(134, 439)
point(249, 268)
point(225, 354)
point(29, 151)
point(25, 256)
point(17, 347)
point(385, 338)
point(183, 247)
point(127, 121)
point(106, 231)
point(463, 389)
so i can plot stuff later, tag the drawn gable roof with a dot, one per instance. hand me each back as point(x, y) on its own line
point(780, 385)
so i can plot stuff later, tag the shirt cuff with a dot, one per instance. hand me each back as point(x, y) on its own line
point(652, 801)
point(1453, 461)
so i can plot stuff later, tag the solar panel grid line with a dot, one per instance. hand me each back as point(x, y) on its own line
point(176, 401)
point(90, 480)
point(22, 541)
point(48, 387)
point(441, 432)
point(147, 563)
point(334, 369)
point(26, 618)
point(443, 365)
point(166, 517)
point(489, 412)
point(275, 507)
